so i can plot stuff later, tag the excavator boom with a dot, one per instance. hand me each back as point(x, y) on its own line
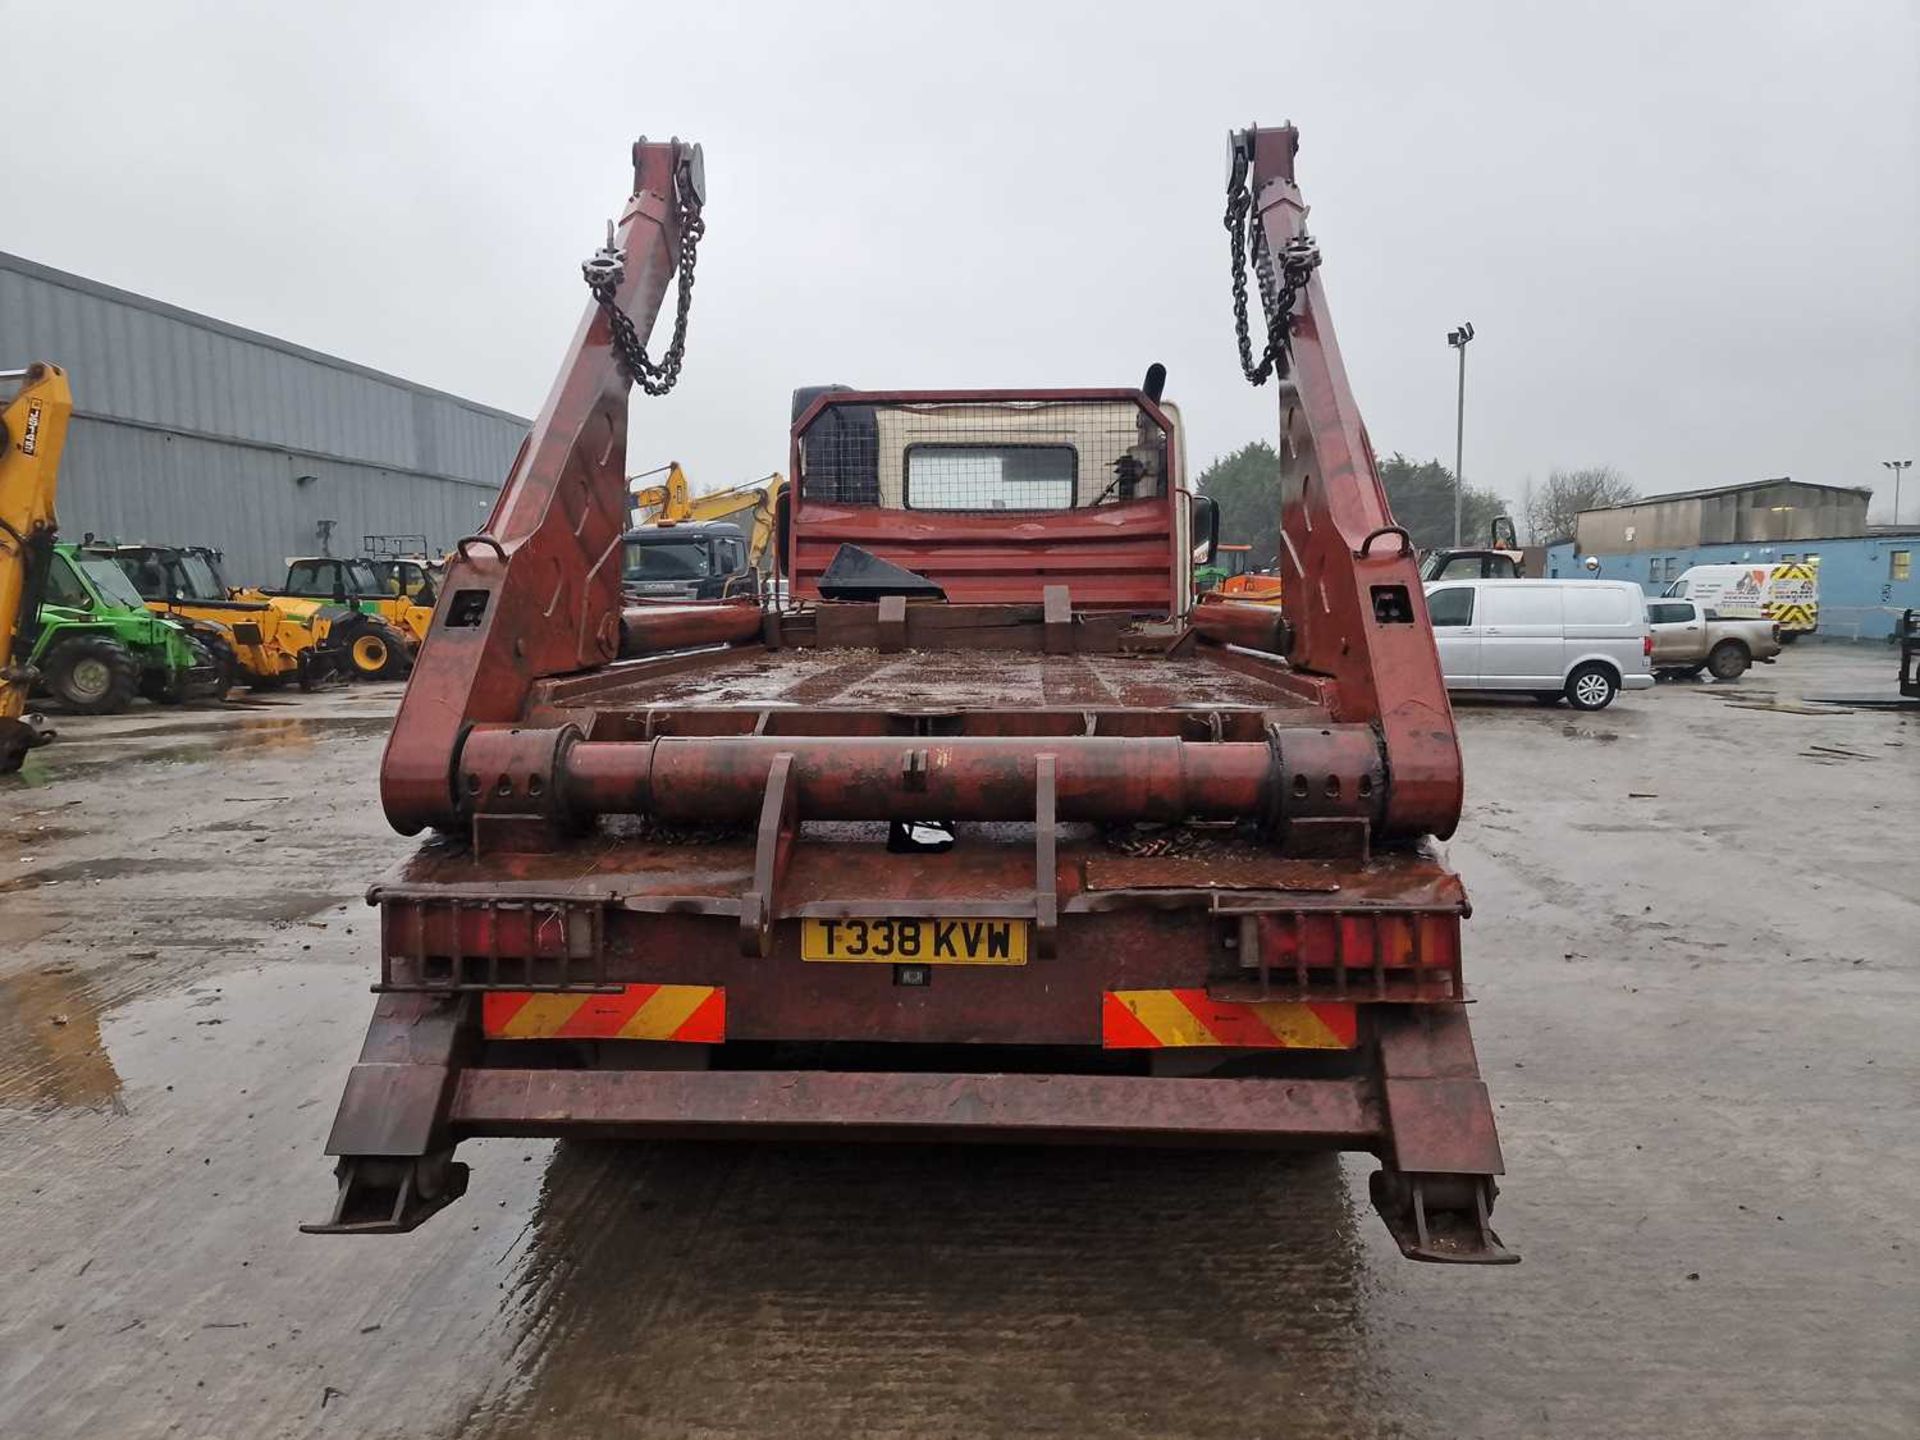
point(33, 432)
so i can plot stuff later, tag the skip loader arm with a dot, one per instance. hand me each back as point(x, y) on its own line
point(537, 593)
point(1351, 585)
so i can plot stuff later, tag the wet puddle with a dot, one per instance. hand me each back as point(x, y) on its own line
point(50, 1047)
point(76, 755)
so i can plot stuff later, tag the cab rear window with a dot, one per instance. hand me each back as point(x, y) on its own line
point(990, 477)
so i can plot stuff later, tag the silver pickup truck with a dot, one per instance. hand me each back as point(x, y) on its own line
point(1687, 640)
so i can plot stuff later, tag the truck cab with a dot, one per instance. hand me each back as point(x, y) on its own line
point(992, 496)
point(688, 560)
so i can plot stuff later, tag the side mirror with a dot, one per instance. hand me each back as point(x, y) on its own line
point(1204, 528)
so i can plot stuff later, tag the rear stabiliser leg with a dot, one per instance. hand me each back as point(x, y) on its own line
point(381, 1196)
point(1437, 1187)
point(1441, 1218)
point(396, 1165)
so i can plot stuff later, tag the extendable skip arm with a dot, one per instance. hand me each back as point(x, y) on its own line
point(538, 592)
point(1351, 589)
point(1356, 613)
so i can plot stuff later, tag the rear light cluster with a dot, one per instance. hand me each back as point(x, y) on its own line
point(1646, 646)
point(1404, 956)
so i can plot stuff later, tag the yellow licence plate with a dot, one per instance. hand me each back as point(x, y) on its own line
point(899, 940)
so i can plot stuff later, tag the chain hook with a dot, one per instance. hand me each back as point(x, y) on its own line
point(607, 269)
point(1298, 260)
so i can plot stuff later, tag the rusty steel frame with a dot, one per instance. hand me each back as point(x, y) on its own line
point(1334, 516)
point(532, 721)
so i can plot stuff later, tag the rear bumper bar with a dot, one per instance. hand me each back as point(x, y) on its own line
point(841, 1105)
point(1417, 1102)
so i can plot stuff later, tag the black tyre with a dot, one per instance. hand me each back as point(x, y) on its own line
point(1787, 637)
point(166, 687)
point(225, 662)
point(377, 651)
point(171, 687)
point(92, 675)
point(1592, 687)
point(1729, 660)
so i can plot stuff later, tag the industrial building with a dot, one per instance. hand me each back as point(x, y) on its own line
point(1756, 512)
point(189, 430)
point(1866, 581)
point(1866, 578)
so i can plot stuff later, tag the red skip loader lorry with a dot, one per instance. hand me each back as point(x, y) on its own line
point(979, 828)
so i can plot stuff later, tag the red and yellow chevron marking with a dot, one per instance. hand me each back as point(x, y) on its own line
point(694, 1013)
point(1159, 1019)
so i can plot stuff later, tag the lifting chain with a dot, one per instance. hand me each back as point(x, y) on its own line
point(608, 268)
point(1297, 263)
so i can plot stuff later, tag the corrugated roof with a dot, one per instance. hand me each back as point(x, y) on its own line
point(1728, 490)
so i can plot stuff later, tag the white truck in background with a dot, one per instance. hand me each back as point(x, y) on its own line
point(1787, 593)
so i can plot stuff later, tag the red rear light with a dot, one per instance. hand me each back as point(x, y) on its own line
point(1646, 646)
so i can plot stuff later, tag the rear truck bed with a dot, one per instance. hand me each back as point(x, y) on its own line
point(1114, 949)
point(1010, 869)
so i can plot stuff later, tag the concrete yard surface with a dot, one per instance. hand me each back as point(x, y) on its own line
point(1694, 956)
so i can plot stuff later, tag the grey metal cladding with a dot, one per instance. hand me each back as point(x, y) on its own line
point(191, 430)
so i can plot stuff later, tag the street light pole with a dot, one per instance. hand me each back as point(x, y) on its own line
point(1896, 466)
point(1458, 340)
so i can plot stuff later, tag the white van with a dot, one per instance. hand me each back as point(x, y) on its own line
point(1579, 640)
point(1787, 593)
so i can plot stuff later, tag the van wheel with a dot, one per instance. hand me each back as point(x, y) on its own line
point(1591, 687)
point(1729, 660)
point(1787, 637)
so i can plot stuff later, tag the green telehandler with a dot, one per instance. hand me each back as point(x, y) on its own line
point(97, 646)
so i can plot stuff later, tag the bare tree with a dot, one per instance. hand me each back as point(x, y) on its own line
point(1552, 508)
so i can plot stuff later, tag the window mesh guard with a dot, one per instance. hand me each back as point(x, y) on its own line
point(983, 458)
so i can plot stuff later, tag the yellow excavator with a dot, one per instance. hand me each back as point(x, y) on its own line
point(33, 431)
point(699, 547)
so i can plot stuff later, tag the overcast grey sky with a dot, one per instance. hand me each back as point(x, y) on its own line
point(1687, 234)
